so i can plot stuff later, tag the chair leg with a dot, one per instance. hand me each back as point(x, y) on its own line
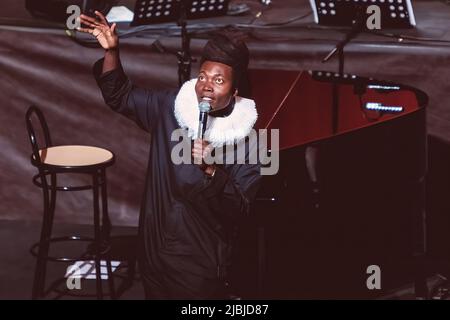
point(46, 231)
point(112, 290)
point(106, 222)
point(97, 237)
point(131, 269)
point(106, 231)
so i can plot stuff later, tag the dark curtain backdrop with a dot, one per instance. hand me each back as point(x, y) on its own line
point(45, 67)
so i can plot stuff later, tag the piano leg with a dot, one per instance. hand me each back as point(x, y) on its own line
point(261, 241)
point(311, 159)
point(421, 291)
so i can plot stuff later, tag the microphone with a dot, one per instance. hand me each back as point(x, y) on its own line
point(204, 107)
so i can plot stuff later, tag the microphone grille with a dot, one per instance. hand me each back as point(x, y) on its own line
point(204, 106)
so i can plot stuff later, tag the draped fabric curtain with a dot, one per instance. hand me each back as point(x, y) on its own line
point(45, 67)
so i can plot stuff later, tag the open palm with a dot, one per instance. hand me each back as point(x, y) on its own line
point(106, 35)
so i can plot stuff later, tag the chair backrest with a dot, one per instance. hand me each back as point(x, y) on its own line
point(34, 110)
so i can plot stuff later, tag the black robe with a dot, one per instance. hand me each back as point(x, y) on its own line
point(187, 220)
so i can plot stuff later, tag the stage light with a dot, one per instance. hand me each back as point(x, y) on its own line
point(376, 106)
point(382, 87)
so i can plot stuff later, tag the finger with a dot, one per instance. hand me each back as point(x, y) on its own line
point(197, 153)
point(86, 30)
point(198, 147)
point(96, 32)
point(89, 24)
point(113, 28)
point(84, 17)
point(101, 17)
point(197, 159)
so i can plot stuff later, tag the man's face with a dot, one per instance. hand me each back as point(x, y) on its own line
point(215, 84)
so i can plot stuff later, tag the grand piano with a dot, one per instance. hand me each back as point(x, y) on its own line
point(349, 192)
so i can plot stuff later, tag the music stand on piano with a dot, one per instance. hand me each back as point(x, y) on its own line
point(396, 14)
point(161, 11)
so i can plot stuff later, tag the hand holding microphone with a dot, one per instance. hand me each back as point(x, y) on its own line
point(202, 148)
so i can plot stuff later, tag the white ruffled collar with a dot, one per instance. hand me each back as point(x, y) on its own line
point(219, 130)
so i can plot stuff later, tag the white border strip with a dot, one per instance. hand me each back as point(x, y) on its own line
point(412, 19)
point(314, 9)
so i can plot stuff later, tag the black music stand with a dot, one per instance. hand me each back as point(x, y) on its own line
point(394, 13)
point(353, 13)
point(160, 11)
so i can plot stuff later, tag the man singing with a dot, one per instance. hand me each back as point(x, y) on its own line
point(189, 211)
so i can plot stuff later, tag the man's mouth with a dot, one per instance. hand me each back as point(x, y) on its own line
point(207, 99)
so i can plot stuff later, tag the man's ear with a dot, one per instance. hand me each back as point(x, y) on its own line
point(236, 91)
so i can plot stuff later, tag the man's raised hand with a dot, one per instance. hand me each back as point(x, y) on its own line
point(105, 34)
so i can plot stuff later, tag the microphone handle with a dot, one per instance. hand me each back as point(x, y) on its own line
point(202, 125)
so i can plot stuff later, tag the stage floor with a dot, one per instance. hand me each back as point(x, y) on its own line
point(17, 265)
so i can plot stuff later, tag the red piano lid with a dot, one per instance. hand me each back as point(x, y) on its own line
point(301, 106)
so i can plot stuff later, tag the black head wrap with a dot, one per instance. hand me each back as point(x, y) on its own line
point(232, 52)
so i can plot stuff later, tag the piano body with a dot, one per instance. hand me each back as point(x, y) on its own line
point(366, 207)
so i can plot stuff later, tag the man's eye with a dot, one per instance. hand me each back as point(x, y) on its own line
point(201, 78)
point(219, 81)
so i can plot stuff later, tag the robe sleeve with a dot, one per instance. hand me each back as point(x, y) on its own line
point(140, 105)
point(232, 190)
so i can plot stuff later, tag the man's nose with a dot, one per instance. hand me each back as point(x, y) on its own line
point(207, 87)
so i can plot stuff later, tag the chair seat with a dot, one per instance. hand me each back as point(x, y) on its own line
point(75, 156)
